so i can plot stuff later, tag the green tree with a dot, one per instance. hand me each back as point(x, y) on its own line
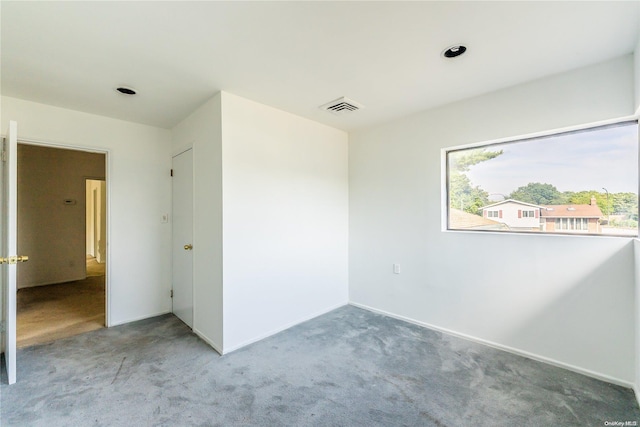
point(538, 194)
point(584, 198)
point(625, 203)
point(463, 194)
point(461, 161)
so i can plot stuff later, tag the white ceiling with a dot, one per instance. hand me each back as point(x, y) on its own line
point(296, 55)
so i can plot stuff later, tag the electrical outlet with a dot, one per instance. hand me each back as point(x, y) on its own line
point(396, 268)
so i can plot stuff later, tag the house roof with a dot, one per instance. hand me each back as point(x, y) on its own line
point(571, 211)
point(465, 220)
point(512, 201)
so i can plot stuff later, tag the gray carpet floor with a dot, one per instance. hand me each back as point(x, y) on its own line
point(349, 367)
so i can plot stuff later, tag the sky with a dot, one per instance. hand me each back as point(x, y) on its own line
point(605, 157)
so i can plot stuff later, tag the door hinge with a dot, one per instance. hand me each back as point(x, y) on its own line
point(4, 150)
point(171, 172)
point(171, 293)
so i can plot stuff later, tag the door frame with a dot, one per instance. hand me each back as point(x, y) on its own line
point(107, 178)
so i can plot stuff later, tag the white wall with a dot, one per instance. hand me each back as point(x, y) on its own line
point(566, 299)
point(202, 131)
point(275, 186)
point(285, 204)
point(51, 232)
point(139, 192)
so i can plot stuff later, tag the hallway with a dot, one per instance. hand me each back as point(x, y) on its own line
point(51, 312)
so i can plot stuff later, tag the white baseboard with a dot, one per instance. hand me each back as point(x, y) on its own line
point(135, 319)
point(35, 285)
point(635, 391)
point(502, 347)
point(202, 336)
point(209, 341)
point(284, 327)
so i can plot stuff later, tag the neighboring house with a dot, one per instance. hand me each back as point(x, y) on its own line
point(461, 220)
point(523, 216)
point(571, 218)
point(515, 214)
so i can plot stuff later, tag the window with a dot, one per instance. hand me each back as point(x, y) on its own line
point(580, 224)
point(583, 181)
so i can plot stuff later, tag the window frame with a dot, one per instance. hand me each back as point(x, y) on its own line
point(444, 169)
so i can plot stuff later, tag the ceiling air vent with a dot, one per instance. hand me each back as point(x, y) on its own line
point(341, 106)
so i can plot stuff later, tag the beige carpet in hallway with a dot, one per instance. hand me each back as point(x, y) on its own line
point(50, 312)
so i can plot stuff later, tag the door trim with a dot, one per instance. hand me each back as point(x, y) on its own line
point(107, 177)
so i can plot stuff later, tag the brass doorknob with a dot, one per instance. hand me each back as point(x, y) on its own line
point(188, 247)
point(23, 258)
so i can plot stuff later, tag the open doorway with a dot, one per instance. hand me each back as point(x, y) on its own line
point(96, 226)
point(62, 224)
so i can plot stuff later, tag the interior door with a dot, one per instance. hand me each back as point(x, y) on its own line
point(8, 257)
point(182, 250)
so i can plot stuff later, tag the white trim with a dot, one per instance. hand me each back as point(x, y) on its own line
point(145, 317)
point(636, 258)
point(184, 147)
point(444, 191)
point(57, 282)
point(192, 147)
point(285, 327)
point(43, 143)
point(107, 176)
point(502, 347)
point(209, 341)
point(542, 134)
point(107, 279)
point(562, 233)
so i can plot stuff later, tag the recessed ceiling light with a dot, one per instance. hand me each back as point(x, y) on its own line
point(126, 90)
point(454, 51)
